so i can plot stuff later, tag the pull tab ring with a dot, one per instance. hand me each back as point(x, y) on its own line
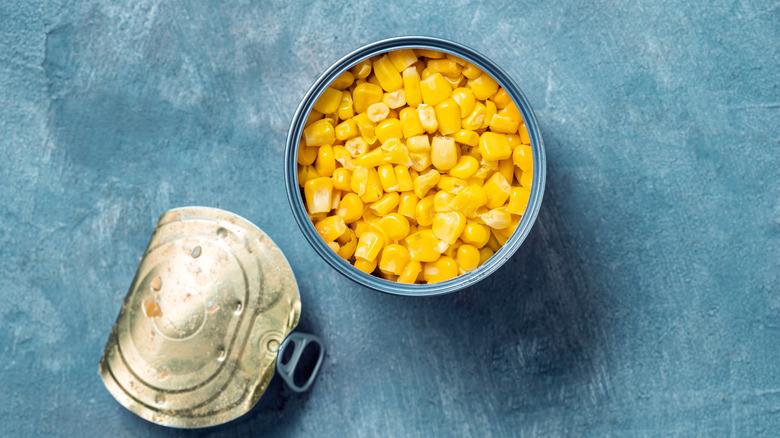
point(286, 369)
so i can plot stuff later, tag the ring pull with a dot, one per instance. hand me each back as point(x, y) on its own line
point(290, 367)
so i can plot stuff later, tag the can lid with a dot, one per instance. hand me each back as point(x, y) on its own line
point(196, 340)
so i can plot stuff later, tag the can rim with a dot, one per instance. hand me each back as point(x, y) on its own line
point(368, 280)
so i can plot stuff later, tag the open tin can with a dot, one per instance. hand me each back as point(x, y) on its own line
point(205, 322)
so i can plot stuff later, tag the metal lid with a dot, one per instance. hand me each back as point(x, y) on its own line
point(195, 342)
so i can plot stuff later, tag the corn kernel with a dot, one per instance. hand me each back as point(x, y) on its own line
point(501, 98)
point(446, 67)
point(451, 184)
point(496, 219)
point(469, 199)
point(424, 246)
point(476, 118)
point(369, 245)
point(319, 133)
point(347, 129)
point(387, 75)
point(425, 182)
point(403, 178)
point(435, 89)
point(394, 226)
point(394, 100)
point(523, 132)
point(431, 54)
point(367, 266)
point(345, 110)
point(335, 199)
point(306, 155)
point(497, 189)
point(350, 208)
point(522, 157)
point(331, 228)
point(377, 112)
point(467, 258)
point(527, 177)
point(396, 152)
point(325, 163)
point(465, 99)
point(490, 111)
point(402, 58)
point(511, 112)
point(306, 173)
point(341, 178)
point(492, 243)
point(448, 116)
point(503, 124)
point(484, 254)
point(387, 203)
point(313, 116)
point(393, 259)
point(412, 86)
point(427, 116)
point(443, 269)
point(410, 272)
point(362, 69)
point(420, 160)
point(475, 234)
point(418, 143)
point(465, 167)
point(483, 86)
point(318, 192)
point(441, 201)
point(410, 123)
point(407, 204)
point(448, 226)
point(328, 101)
point(424, 211)
point(387, 129)
point(494, 146)
point(455, 81)
point(343, 81)
point(444, 153)
point(387, 177)
point(471, 71)
point(500, 238)
point(508, 231)
point(372, 158)
point(347, 249)
point(365, 95)
point(365, 182)
point(507, 169)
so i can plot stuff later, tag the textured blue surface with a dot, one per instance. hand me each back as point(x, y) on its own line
point(645, 302)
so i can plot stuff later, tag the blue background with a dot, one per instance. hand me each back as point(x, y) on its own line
point(645, 301)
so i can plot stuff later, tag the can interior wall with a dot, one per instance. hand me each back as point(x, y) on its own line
point(376, 283)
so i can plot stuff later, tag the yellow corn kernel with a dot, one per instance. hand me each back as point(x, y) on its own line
point(457, 60)
point(328, 101)
point(492, 243)
point(476, 118)
point(441, 201)
point(446, 67)
point(367, 266)
point(325, 163)
point(475, 234)
point(387, 129)
point(448, 226)
point(424, 211)
point(393, 259)
point(500, 238)
point(372, 158)
point(412, 86)
point(465, 167)
point(428, 53)
point(490, 111)
point(419, 143)
point(313, 116)
point(306, 155)
point(503, 124)
point(496, 219)
point(514, 140)
point(411, 271)
point(403, 178)
point(341, 178)
point(356, 146)
point(387, 177)
point(410, 123)
point(469, 199)
point(435, 89)
point(443, 269)
point(420, 160)
point(494, 146)
point(387, 74)
point(452, 250)
point(343, 81)
point(306, 173)
point(365, 95)
point(377, 112)
point(333, 246)
point(347, 129)
point(350, 208)
point(345, 110)
point(407, 204)
point(402, 58)
point(394, 226)
point(396, 153)
point(465, 99)
point(427, 116)
point(369, 245)
point(444, 153)
point(319, 133)
point(484, 254)
point(455, 81)
point(335, 199)
point(522, 157)
point(523, 132)
point(424, 246)
point(360, 226)
point(483, 86)
point(451, 184)
point(448, 116)
point(331, 228)
point(425, 182)
point(507, 169)
point(467, 258)
point(511, 112)
point(502, 99)
point(365, 182)
point(508, 231)
point(527, 177)
point(387, 203)
point(394, 100)
point(362, 69)
point(318, 192)
point(471, 71)
point(348, 244)
point(497, 189)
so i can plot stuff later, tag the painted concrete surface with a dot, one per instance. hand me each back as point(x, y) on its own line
point(645, 302)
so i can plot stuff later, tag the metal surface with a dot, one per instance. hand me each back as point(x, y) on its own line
point(197, 337)
point(376, 283)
